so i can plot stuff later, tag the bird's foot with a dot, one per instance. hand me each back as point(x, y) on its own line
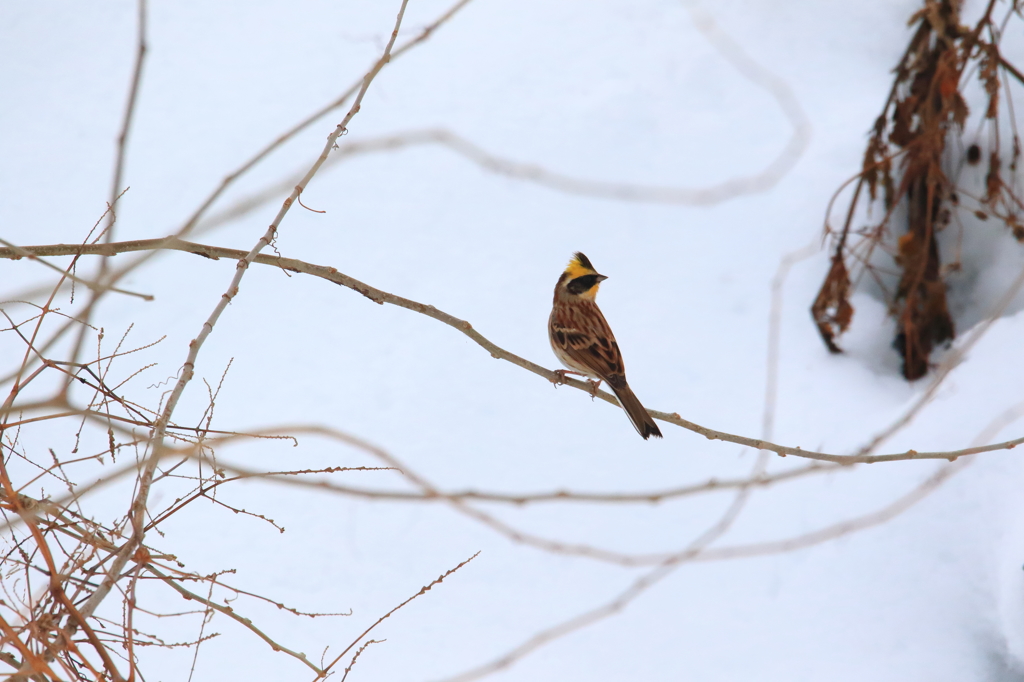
point(562, 373)
point(594, 385)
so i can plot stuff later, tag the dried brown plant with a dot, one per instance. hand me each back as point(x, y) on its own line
point(906, 169)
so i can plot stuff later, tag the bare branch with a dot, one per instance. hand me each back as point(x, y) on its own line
point(382, 297)
point(93, 285)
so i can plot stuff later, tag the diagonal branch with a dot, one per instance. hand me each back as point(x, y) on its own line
point(423, 590)
point(382, 297)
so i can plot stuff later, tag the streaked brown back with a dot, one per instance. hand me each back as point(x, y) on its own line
point(583, 334)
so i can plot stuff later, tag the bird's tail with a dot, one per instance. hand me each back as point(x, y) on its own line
point(642, 421)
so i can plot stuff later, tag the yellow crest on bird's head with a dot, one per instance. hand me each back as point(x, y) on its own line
point(579, 266)
point(580, 278)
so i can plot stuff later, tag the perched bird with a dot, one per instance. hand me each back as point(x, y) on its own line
point(583, 341)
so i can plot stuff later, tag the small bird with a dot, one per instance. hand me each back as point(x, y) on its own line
point(583, 341)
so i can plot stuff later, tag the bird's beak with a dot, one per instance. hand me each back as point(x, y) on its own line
point(601, 278)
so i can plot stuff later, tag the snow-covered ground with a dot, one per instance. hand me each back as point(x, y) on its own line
point(619, 91)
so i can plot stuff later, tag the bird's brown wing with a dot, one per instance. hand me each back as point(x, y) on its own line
point(583, 341)
point(583, 335)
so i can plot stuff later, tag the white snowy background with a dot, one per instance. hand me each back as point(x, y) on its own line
point(625, 91)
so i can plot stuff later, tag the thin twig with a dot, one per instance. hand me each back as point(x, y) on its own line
point(126, 125)
point(423, 590)
point(230, 613)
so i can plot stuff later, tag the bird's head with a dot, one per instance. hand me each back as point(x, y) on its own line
point(580, 278)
